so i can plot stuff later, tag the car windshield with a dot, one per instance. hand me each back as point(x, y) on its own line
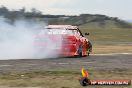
point(59, 32)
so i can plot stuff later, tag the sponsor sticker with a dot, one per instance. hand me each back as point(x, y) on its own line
point(85, 81)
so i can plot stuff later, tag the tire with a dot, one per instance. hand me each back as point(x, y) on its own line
point(89, 48)
point(80, 51)
point(88, 53)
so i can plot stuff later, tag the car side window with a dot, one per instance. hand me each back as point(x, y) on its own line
point(80, 33)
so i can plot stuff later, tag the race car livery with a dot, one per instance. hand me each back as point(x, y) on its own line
point(66, 39)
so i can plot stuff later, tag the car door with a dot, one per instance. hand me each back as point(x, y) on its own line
point(84, 42)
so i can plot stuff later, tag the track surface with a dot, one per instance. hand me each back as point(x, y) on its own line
point(91, 62)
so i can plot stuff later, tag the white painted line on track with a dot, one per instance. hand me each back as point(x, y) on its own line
point(5, 65)
point(32, 64)
point(87, 62)
point(63, 63)
point(111, 54)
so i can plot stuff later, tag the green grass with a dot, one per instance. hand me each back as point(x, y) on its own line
point(108, 36)
point(107, 49)
point(109, 39)
point(61, 79)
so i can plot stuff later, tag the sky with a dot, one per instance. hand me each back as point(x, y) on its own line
point(113, 8)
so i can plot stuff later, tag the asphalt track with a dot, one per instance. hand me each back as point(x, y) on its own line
point(96, 62)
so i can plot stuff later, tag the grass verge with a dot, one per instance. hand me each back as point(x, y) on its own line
point(106, 49)
point(61, 79)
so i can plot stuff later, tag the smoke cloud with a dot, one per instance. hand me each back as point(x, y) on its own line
point(18, 40)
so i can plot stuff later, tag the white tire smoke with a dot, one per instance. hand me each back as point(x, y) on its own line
point(17, 40)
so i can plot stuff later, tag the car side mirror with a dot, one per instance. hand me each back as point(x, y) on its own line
point(86, 33)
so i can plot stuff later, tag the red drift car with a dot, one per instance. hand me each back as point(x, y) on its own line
point(67, 40)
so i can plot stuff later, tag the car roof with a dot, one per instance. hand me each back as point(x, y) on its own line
point(61, 27)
